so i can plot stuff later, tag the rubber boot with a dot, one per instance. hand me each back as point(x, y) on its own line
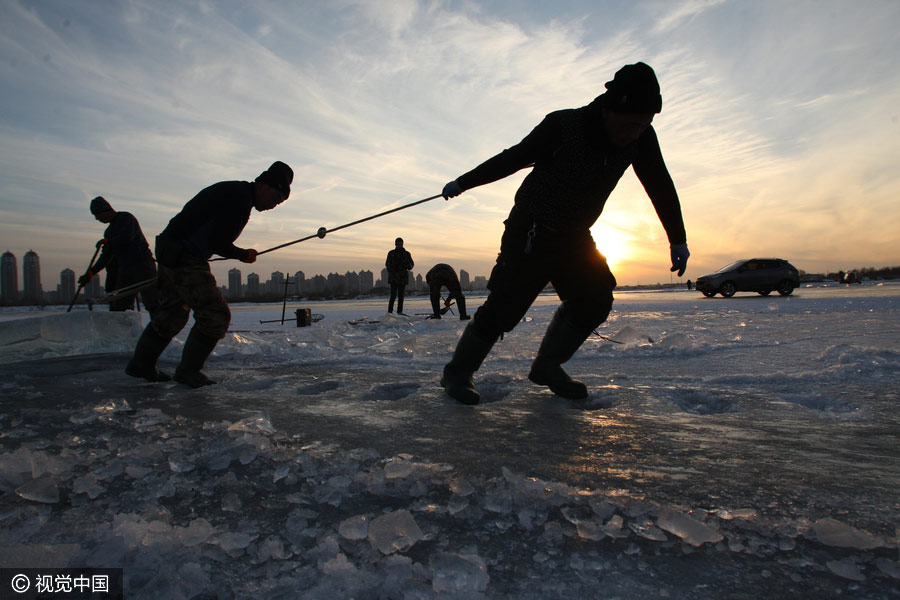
point(560, 342)
point(470, 352)
point(148, 350)
point(197, 348)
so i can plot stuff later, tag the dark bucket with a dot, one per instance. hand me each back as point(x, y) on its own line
point(304, 317)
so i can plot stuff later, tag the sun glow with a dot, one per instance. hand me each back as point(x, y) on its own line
point(612, 242)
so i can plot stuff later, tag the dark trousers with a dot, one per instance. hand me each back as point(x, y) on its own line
point(129, 275)
point(455, 293)
point(530, 258)
point(185, 287)
point(397, 292)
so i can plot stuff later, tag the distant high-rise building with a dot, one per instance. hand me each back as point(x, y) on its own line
point(299, 282)
point(31, 274)
point(384, 278)
point(366, 281)
point(464, 279)
point(252, 285)
point(317, 284)
point(66, 289)
point(351, 280)
point(9, 278)
point(234, 283)
point(276, 283)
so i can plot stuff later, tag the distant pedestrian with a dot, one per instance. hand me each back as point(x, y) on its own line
point(208, 224)
point(398, 264)
point(690, 285)
point(126, 257)
point(439, 276)
point(578, 156)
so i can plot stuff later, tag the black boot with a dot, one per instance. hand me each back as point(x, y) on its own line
point(560, 342)
point(143, 362)
point(470, 352)
point(197, 348)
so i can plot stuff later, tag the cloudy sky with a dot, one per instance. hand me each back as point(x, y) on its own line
point(780, 123)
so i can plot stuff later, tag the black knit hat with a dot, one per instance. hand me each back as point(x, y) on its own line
point(100, 205)
point(634, 89)
point(279, 176)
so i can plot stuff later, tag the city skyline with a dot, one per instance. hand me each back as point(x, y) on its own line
point(66, 286)
point(778, 123)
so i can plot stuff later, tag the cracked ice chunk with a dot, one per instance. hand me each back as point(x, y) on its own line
point(458, 573)
point(832, 532)
point(260, 423)
point(88, 485)
point(42, 489)
point(196, 533)
point(846, 568)
point(693, 532)
point(354, 528)
point(396, 531)
point(234, 543)
point(339, 565)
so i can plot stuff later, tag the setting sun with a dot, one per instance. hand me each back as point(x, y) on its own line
point(613, 243)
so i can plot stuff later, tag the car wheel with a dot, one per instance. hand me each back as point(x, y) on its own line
point(727, 290)
point(764, 292)
point(708, 293)
point(786, 287)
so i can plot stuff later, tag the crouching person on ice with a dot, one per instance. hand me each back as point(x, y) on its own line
point(208, 224)
point(578, 156)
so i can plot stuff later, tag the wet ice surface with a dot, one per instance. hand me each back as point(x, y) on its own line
point(728, 448)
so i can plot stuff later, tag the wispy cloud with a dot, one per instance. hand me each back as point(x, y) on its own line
point(779, 121)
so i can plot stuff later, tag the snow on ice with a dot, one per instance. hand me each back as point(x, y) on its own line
point(729, 448)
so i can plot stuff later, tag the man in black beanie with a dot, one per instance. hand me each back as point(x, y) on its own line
point(578, 156)
point(126, 257)
point(208, 224)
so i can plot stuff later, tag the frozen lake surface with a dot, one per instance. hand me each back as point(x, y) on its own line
point(729, 448)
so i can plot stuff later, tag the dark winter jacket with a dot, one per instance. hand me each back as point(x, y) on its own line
point(442, 275)
point(398, 264)
point(125, 244)
point(576, 168)
point(211, 221)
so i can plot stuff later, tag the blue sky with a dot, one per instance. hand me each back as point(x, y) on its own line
point(780, 123)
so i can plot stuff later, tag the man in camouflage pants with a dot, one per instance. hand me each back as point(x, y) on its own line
point(578, 156)
point(208, 224)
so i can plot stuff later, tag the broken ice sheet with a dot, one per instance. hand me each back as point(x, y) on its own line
point(393, 532)
point(88, 484)
point(116, 405)
point(354, 528)
point(693, 532)
point(260, 423)
point(832, 532)
point(196, 533)
point(43, 489)
point(846, 568)
point(458, 573)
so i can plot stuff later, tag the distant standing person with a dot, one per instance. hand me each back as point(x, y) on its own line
point(126, 257)
point(578, 156)
point(398, 264)
point(439, 276)
point(208, 224)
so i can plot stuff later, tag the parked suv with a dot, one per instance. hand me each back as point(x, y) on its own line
point(760, 275)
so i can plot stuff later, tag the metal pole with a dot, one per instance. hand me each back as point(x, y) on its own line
point(78, 291)
point(322, 231)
